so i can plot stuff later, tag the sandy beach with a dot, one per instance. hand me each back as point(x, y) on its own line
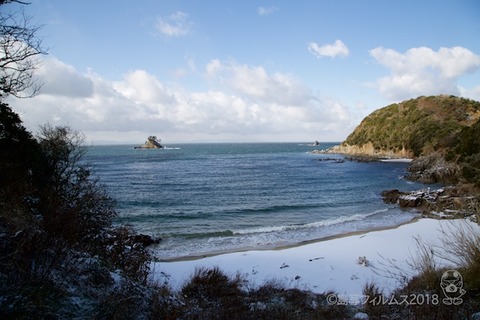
point(343, 264)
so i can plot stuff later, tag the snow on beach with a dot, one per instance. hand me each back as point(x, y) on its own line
point(405, 160)
point(343, 264)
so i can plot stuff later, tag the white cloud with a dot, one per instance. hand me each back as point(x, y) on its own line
point(473, 93)
point(213, 67)
point(255, 83)
point(328, 50)
point(244, 103)
point(423, 71)
point(175, 25)
point(61, 79)
point(265, 11)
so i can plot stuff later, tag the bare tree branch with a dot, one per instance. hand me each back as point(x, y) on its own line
point(10, 1)
point(19, 53)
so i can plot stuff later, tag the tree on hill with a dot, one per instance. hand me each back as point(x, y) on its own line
point(442, 131)
point(420, 125)
point(466, 149)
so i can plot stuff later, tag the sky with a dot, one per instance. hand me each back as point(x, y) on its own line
point(243, 71)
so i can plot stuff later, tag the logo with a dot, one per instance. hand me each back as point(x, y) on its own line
point(452, 286)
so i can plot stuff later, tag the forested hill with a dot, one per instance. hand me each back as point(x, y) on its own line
point(414, 127)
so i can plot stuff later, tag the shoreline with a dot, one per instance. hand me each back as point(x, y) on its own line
point(280, 247)
point(342, 264)
point(349, 156)
point(364, 156)
point(423, 212)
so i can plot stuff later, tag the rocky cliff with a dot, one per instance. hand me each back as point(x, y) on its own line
point(412, 128)
point(442, 135)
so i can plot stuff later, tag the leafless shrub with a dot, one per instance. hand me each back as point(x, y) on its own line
point(210, 293)
point(374, 304)
point(460, 244)
point(19, 51)
point(123, 253)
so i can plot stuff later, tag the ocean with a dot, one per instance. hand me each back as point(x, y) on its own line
point(209, 198)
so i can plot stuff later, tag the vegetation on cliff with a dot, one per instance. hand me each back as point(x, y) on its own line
point(441, 131)
point(420, 125)
point(466, 151)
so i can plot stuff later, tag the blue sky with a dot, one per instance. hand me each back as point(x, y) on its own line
point(212, 71)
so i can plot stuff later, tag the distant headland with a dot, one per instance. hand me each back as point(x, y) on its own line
point(440, 135)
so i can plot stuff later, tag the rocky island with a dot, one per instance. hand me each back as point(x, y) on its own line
point(151, 143)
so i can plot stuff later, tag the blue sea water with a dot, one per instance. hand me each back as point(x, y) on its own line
point(205, 198)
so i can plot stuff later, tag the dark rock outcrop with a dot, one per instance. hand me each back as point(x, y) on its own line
point(145, 240)
point(433, 169)
point(412, 199)
point(451, 202)
point(334, 160)
point(391, 196)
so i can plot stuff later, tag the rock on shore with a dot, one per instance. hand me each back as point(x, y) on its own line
point(449, 202)
point(433, 168)
point(368, 150)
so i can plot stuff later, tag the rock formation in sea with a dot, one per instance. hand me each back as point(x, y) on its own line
point(151, 143)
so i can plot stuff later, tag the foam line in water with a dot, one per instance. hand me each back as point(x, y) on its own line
point(316, 224)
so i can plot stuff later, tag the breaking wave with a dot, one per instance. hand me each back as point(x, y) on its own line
point(317, 224)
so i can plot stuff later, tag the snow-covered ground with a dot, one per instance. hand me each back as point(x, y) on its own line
point(343, 264)
point(406, 160)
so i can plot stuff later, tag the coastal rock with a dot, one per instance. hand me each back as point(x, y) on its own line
point(433, 169)
point(410, 201)
point(391, 196)
point(451, 202)
point(369, 151)
point(334, 160)
point(145, 240)
point(363, 158)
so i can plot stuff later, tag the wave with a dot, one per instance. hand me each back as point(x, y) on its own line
point(142, 210)
point(213, 234)
point(171, 216)
point(275, 208)
point(316, 224)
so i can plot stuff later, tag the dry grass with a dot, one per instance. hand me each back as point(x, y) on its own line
point(422, 294)
point(212, 294)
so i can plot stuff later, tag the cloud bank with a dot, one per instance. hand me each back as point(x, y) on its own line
point(423, 71)
point(243, 103)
